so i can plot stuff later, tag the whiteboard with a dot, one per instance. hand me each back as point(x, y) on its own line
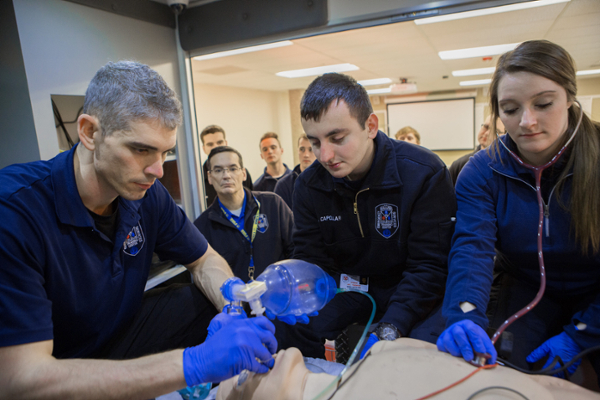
point(442, 124)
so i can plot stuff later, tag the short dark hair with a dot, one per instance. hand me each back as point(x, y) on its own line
point(223, 149)
point(210, 130)
point(332, 87)
point(269, 135)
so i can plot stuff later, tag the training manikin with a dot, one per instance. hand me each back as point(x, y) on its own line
point(403, 369)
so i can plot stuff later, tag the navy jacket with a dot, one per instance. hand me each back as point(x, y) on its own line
point(459, 164)
point(498, 217)
point(266, 183)
point(285, 187)
point(396, 229)
point(273, 241)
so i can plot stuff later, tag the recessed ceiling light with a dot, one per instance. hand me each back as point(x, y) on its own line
point(488, 11)
point(477, 51)
point(244, 50)
point(378, 81)
point(479, 82)
point(299, 73)
point(476, 71)
point(588, 72)
point(379, 91)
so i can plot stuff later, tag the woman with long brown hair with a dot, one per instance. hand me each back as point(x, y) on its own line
point(528, 222)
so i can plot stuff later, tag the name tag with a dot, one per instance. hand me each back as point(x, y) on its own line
point(354, 282)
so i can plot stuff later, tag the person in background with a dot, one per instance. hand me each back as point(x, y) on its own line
point(285, 186)
point(485, 138)
point(494, 266)
point(251, 230)
point(214, 136)
point(375, 213)
point(409, 134)
point(77, 236)
point(271, 151)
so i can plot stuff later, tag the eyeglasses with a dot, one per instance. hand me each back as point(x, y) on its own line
point(219, 171)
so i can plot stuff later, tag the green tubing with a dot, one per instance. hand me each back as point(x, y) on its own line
point(356, 349)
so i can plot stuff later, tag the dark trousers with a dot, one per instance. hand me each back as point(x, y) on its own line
point(546, 320)
point(177, 316)
point(173, 317)
point(349, 308)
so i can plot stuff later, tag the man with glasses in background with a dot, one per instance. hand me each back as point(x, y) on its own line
point(251, 230)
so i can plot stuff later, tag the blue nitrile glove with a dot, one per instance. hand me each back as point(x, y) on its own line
point(222, 319)
point(232, 349)
point(372, 340)
point(462, 337)
point(560, 345)
point(291, 319)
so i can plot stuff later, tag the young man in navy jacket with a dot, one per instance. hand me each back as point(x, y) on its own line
point(376, 213)
point(285, 186)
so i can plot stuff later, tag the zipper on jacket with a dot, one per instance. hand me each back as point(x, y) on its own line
point(546, 206)
point(356, 210)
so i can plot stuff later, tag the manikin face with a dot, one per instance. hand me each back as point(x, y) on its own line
point(409, 137)
point(484, 136)
point(340, 144)
point(225, 181)
point(270, 150)
point(127, 163)
point(305, 154)
point(213, 140)
point(534, 111)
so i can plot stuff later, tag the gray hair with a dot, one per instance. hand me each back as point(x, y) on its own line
point(127, 91)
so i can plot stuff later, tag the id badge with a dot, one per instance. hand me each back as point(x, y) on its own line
point(354, 282)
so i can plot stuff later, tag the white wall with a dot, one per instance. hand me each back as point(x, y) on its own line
point(245, 115)
point(64, 44)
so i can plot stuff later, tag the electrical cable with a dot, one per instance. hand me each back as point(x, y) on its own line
point(354, 353)
point(471, 397)
point(549, 370)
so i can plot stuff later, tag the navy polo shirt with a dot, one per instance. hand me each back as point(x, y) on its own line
point(60, 277)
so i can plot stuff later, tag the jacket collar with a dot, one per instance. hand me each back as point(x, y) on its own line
point(508, 166)
point(382, 174)
point(216, 214)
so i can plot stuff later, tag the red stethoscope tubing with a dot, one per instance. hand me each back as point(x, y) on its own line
point(538, 190)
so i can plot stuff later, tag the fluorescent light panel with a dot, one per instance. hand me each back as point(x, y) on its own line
point(476, 71)
point(477, 51)
point(299, 73)
point(379, 91)
point(479, 82)
point(244, 50)
point(588, 72)
point(488, 11)
point(378, 81)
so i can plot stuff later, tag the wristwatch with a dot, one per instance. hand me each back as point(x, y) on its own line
point(387, 331)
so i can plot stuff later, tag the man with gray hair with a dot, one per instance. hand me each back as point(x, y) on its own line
point(77, 236)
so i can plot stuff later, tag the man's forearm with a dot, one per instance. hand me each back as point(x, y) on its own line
point(49, 378)
point(209, 272)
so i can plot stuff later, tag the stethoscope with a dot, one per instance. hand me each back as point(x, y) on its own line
point(538, 190)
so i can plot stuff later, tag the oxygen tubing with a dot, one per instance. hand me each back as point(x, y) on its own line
point(338, 378)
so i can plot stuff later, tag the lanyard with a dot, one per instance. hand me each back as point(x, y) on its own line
point(244, 233)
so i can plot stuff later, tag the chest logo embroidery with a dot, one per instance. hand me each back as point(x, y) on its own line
point(263, 223)
point(386, 220)
point(134, 242)
point(330, 218)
